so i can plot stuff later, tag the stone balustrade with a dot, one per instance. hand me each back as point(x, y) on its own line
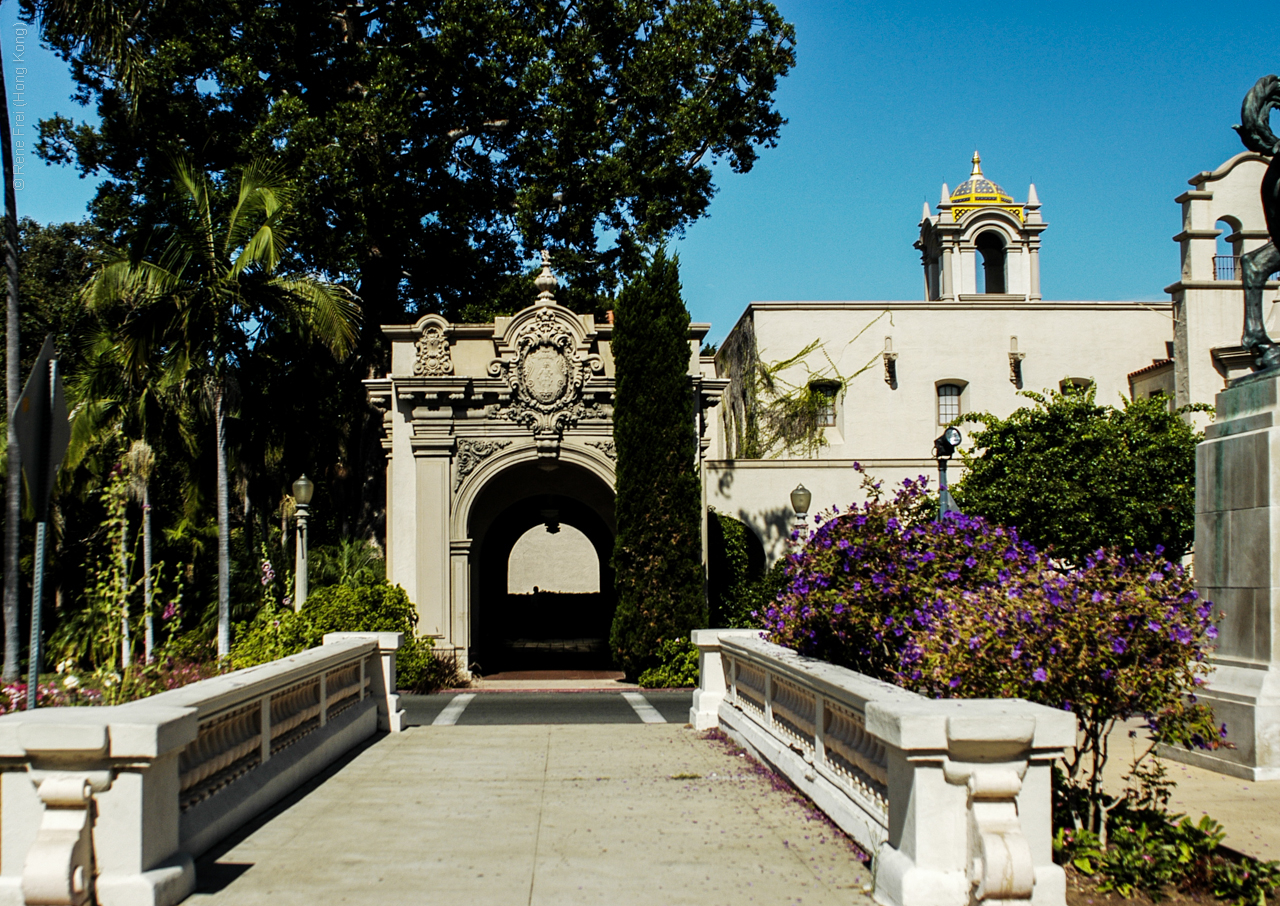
point(951, 797)
point(112, 805)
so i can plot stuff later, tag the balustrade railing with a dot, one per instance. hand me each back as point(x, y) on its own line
point(1226, 267)
point(164, 778)
point(952, 798)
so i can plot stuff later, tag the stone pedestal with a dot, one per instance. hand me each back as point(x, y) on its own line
point(1237, 567)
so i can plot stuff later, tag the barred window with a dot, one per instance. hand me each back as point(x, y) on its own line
point(827, 411)
point(948, 403)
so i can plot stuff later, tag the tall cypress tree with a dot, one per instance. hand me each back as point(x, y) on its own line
point(657, 556)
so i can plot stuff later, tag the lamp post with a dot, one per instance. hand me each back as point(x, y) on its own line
point(944, 447)
point(800, 499)
point(303, 488)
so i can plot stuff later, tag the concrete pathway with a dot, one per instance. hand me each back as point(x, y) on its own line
point(622, 813)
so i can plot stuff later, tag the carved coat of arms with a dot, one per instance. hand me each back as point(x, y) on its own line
point(546, 377)
point(433, 359)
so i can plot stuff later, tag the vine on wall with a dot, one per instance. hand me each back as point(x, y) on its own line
point(767, 412)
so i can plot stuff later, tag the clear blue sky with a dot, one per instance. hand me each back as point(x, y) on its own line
point(1110, 108)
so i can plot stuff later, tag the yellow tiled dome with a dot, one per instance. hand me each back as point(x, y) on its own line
point(978, 190)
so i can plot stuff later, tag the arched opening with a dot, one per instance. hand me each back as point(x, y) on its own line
point(1230, 245)
point(992, 275)
point(553, 558)
point(553, 530)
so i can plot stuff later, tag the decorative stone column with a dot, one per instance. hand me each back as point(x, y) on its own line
point(460, 569)
point(948, 275)
point(1237, 551)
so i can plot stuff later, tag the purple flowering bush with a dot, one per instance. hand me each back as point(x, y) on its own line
point(961, 608)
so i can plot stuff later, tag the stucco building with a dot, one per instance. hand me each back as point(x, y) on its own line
point(500, 472)
point(896, 371)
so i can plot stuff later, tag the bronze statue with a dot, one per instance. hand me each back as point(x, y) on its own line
point(1261, 263)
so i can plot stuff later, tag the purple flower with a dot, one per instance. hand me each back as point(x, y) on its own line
point(1040, 675)
point(1119, 645)
point(1211, 632)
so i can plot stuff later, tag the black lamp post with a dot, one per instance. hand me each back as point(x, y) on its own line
point(800, 500)
point(944, 448)
point(303, 488)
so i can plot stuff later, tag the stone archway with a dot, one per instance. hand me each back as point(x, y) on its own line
point(485, 426)
point(548, 630)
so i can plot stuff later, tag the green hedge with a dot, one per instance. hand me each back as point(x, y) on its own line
point(276, 632)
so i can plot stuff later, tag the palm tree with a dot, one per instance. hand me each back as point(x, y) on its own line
point(140, 462)
point(215, 291)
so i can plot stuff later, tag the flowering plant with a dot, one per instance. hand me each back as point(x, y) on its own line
point(13, 696)
point(961, 608)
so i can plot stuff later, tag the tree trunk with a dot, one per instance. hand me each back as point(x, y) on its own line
point(126, 652)
point(13, 490)
point(149, 640)
point(224, 532)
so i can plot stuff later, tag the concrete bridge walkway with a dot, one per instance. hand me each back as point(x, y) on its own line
point(489, 810)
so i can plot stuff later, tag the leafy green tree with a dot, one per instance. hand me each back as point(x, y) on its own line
point(1078, 476)
point(100, 32)
point(214, 291)
point(56, 261)
point(436, 143)
point(657, 556)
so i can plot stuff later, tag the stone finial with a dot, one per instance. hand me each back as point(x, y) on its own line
point(926, 213)
point(546, 281)
point(946, 193)
point(1032, 198)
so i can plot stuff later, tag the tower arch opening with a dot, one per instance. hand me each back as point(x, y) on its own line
point(993, 275)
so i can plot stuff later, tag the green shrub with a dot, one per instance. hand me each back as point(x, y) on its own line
point(735, 573)
point(677, 666)
point(1149, 849)
point(1079, 476)
point(279, 632)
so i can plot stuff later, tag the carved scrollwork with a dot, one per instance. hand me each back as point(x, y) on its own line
point(606, 447)
point(471, 453)
point(433, 359)
point(60, 864)
point(546, 377)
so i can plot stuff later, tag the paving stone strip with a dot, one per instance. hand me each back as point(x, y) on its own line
point(613, 814)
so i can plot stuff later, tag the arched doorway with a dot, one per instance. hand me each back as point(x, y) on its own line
point(554, 529)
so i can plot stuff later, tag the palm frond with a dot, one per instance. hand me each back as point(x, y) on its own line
point(330, 312)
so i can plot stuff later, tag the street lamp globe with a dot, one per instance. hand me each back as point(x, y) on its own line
point(800, 499)
point(303, 488)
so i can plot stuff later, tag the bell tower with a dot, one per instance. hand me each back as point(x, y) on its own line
point(981, 245)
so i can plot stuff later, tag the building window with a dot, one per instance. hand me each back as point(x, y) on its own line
point(825, 395)
point(948, 403)
point(991, 245)
point(1074, 383)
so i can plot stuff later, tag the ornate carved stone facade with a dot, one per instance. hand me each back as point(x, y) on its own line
point(480, 420)
point(471, 453)
point(545, 361)
point(433, 353)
